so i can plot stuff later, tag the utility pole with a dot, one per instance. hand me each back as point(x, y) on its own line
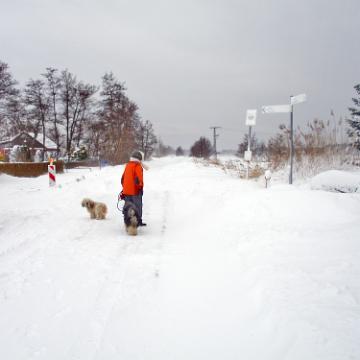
point(215, 136)
point(249, 138)
point(291, 142)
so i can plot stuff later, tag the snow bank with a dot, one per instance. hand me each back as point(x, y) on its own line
point(337, 181)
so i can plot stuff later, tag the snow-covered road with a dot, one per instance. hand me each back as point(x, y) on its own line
point(225, 269)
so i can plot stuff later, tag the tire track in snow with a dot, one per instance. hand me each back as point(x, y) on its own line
point(165, 212)
point(89, 338)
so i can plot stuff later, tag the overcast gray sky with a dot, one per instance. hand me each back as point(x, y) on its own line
point(192, 64)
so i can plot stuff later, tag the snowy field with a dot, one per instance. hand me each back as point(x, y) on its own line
point(226, 269)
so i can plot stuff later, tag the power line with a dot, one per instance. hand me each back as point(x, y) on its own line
point(244, 131)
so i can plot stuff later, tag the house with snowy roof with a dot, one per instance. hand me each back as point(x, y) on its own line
point(33, 143)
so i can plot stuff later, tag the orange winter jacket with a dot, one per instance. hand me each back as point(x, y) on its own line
point(132, 178)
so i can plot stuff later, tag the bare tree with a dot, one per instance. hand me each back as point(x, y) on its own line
point(146, 138)
point(15, 115)
point(7, 83)
point(64, 108)
point(7, 92)
point(95, 138)
point(75, 98)
point(201, 148)
point(120, 120)
point(87, 114)
point(53, 85)
point(37, 106)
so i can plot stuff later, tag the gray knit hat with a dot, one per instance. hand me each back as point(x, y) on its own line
point(137, 155)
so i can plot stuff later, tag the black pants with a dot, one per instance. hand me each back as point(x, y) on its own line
point(137, 201)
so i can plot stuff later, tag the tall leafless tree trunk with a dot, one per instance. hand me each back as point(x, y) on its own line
point(37, 101)
point(53, 88)
point(76, 99)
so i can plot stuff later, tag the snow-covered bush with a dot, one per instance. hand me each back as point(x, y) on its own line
point(80, 153)
point(38, 157)
point(236, 167)
point(13, 155)
point(19, 153)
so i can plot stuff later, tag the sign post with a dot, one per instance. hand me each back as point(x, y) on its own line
point(267, 178)
point(250, 121)
point(291, 143)
point(287, 109)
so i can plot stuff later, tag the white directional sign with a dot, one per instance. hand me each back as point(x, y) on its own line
point(250, 117)
point(275, 109)
point(298, 99)
point(247, 155)
point(287, 109)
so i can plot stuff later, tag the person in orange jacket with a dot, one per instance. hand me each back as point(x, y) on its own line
point(132, 181)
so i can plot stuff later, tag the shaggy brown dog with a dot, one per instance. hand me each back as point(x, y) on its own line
point(97, 210)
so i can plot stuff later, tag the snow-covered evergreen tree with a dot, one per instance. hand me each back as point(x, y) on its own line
point(354, 121)
point(38, 157)
point(19, 153)
point(80, 153)
point(13, 155)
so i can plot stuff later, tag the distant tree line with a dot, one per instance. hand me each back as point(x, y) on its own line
point(74, 113)
point(106, 122)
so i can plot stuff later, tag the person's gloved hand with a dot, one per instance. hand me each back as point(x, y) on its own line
point(121, 196)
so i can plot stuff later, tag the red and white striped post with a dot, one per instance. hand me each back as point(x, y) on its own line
point(52, 173)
